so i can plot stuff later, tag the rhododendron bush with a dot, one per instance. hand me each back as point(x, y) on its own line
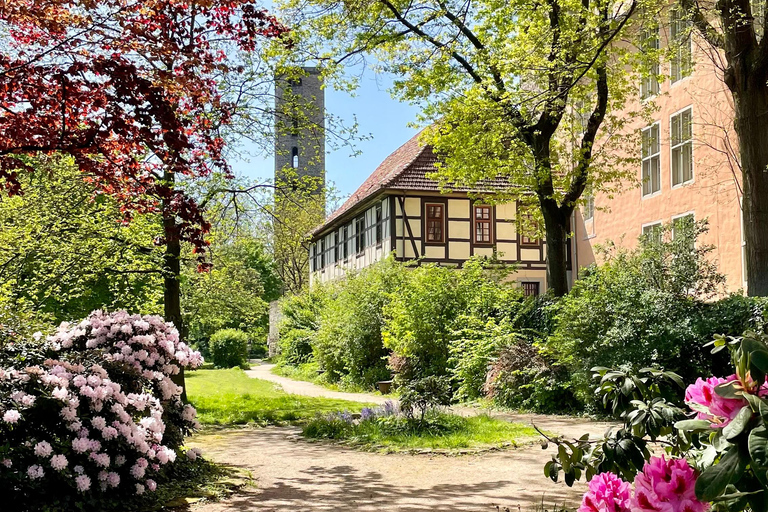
point(92, 414)
point(718, 444)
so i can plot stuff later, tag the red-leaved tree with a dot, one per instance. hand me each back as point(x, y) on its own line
point(129, 89)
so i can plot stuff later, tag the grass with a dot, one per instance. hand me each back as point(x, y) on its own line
point(440, 431)
point(230, 397)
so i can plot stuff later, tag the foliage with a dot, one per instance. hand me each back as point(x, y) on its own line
point(725, 442)
point(65, 254)
point(234, 293)
point(425, 394)
point(383, 427)
point(108, 380)
point(641, 308)
point(230, 397)
point(349, 343)
point(229, 348)
point(133, 106)
point(421, 318)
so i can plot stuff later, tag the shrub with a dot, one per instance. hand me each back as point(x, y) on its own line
point(229, 348)
point(296, 346)
point(90, 417)
point(640, 308)
point(425, 394)
point(349, 345)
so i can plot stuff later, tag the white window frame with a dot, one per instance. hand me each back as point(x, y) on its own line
point(589, 208)
point(652, 77)
point(673, 146)
point(672, 79)
point(643, 159)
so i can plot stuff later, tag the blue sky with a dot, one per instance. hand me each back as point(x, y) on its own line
point(378, 115)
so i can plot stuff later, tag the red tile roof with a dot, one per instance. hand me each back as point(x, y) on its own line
point(405, 169)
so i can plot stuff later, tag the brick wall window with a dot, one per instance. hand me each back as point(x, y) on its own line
point(483, 225)
point(435, 222)
point(530, 289)
point(650, 153)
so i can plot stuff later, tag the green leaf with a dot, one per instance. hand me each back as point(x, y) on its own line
point(728, 390)
point(689, 425)
point(713, 481)
point(738, 424)
point(758, 451)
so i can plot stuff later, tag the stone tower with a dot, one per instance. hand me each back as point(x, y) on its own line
point(299, 129)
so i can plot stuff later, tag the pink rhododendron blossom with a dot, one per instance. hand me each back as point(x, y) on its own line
point(11, 416)
point(666, 485)
point(721, 410)
point(35, 471)
point(83, 483)
point(151, 484)
point(58, 462)
point(139, 489)
point(43, 449)
point(607, 493)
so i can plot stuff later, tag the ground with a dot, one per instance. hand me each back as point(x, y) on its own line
point(293, 474)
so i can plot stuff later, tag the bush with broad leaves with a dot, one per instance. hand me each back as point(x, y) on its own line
point(719, 447)
point(89, 417)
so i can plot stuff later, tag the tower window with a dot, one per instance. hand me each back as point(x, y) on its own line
point(295, 157)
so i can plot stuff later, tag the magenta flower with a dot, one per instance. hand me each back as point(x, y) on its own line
point(607, 493)
point(721, 410)
point(666, 486)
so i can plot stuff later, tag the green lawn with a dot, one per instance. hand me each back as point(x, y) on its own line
point(227, 397)
point(443, 432)
point(308, 373)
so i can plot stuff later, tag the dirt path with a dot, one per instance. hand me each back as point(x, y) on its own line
point(563, 425)
point(293, 475)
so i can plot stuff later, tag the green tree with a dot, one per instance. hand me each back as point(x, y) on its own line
point(65, 252)
point(518, 88)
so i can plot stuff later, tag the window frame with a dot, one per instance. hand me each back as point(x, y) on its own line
point(535, 284)
point(441, 219)
point(691, 214)
point(673, 146)
point(675, 22)
point(650, 157)
point(490, 221)
point(647, 89)
point(589, 208)
point(360, 235)
point(379, 218)
point(345, 241)
point(654, 224)
point(524, 240)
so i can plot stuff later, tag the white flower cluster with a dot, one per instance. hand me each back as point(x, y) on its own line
point(112, 432)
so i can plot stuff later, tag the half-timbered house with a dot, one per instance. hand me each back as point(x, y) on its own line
point(399, 210)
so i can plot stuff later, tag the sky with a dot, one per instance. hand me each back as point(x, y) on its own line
point(384, 119)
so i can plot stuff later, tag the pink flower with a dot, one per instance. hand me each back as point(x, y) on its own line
point(58, 462)
point(666, 486)
point(607, 493)
point(721, 410)
point(151, 485)
point(83, 483)
point(139, 489)
point(35, 471)
point(11, 416)
point(43, 449)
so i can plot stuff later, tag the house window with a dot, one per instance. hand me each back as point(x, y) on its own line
point(345, 241)
point(435, 222)
point(336, 246)
point(651, 149)
point(681, 147)
point(649, 86)
point(379, 226)
point(589, 207)
point(526, 240)
point(322, 253)
point(652, 232)
point(483, 231)
point(530, 289)
point(680, 38)
point(295, 157)
point(360, 234)
point(312, 254)
point(681, 222)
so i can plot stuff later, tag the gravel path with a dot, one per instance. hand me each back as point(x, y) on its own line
point(294, 475)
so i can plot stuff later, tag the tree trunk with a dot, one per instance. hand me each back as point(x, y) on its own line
point(556, 228)
point(172, 282)
point(751, 106)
